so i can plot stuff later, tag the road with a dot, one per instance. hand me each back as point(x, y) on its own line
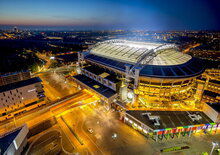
point(49, 143)
point(104, 124)
point(190, 47)
point(36, 116)
point(46, 59)
point(56, 86)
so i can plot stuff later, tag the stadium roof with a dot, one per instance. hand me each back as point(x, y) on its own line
point(191, 68)
point(140, 52)
point(155, 60)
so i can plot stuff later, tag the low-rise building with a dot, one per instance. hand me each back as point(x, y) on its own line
point(169, 124)
point(18, 97)
point(13, 142)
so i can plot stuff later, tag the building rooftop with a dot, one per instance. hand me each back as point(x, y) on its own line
point(96, 86)
point(106, 74)
point(95, 69)
point(13, 73)
point(215, 106)
point(112, 78)
point(19, 84)
point(7, 139)
point(170, 119)
point(14, 137)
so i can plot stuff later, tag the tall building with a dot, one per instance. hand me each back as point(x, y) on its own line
point(15, 29)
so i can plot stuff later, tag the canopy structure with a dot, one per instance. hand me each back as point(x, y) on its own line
point(155, 59)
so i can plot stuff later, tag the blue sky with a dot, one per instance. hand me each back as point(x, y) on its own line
point(128, 14)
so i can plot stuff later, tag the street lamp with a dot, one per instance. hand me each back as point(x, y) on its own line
point(214, 144)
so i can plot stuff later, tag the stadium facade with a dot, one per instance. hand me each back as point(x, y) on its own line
point(142, 74)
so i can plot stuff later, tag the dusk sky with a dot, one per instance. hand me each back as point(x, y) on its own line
point(127, 14)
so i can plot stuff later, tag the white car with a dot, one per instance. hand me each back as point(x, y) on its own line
point(114, 136)
point(90, 130)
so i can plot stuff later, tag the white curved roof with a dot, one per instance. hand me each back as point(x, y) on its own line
point(140, 52)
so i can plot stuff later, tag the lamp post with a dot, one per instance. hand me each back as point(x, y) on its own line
point(14, 121)
point(214, 144)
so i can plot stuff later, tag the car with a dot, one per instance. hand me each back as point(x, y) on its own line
point(114, 135)
point(90, 130)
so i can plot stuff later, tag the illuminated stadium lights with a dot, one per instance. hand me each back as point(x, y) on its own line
point(149, 46)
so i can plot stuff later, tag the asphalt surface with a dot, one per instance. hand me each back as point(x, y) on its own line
point(106, 123)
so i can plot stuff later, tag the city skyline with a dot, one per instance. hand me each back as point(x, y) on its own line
point(111, 14)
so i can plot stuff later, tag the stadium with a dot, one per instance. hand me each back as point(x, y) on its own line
point(141, 75)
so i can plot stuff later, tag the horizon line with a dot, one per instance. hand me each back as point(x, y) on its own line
point(95, 27)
